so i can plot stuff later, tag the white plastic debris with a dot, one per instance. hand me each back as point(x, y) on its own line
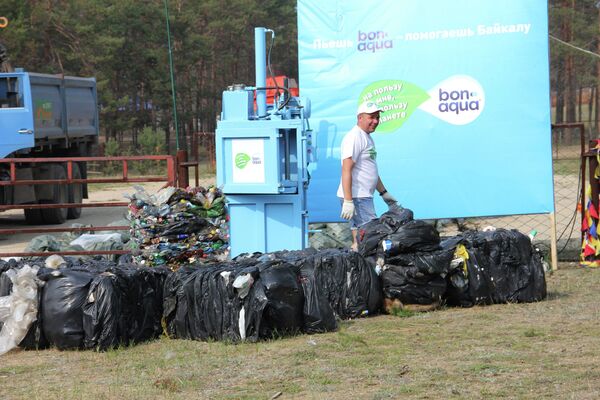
point(19, 309)
point(87, 240)
point(243, 283)
point(55, 261)
point(242, 323)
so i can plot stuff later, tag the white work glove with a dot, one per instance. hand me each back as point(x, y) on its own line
point(347, 209)
point(389, 199)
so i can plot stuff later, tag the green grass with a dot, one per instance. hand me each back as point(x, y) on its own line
point(533, 351)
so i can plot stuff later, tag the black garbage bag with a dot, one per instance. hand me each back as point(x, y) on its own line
point(173, 299)
point(470, 283)
point(63, 297)
point(395, 217)
point(432, 262)
point(186, 227)
point(411, 285)
point(5, 282)
point(415, 235)
point(285, 299)
point(318, 313)
point(101, 313)
point(373, 232)
point(123, 306)
point(293, 257)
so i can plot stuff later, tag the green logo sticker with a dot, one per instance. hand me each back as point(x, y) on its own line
point(399, 99)
point(43, 109)
point(373, 153)
point(241, 160)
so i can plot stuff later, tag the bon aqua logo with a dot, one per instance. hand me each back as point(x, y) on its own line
point(457, 100)
point(374, 41)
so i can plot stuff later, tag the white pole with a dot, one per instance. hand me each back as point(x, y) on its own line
point(553, 245)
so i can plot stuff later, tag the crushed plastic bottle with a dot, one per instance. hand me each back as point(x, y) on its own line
point(532, 234)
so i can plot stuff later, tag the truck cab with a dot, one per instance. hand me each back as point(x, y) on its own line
point(45, 116)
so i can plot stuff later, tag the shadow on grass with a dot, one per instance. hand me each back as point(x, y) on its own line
point(556, 295)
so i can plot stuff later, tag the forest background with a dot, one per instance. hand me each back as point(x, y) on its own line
point(124, 45)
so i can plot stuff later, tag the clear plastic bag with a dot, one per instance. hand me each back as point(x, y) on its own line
point(19, 309)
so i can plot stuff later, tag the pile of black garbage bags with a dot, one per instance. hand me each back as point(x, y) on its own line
point(99, 304)
point(419, 268)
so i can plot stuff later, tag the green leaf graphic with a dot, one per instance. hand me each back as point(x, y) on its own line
point(241, 160)
point(398, 98)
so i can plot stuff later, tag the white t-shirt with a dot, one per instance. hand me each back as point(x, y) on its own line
point(358, 145)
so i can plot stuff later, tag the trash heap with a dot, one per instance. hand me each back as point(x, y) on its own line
point(419, 271)
point(93, 305)
point(177, 226)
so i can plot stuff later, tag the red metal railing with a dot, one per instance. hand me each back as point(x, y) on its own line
point(176, 175)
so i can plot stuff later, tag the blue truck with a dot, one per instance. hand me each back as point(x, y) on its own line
point(46, 116)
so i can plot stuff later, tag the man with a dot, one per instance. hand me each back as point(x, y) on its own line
point(360, 177)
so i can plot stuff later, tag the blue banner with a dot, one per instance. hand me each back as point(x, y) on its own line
point(465, 88)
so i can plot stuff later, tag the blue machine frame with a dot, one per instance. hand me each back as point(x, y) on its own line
point(262, 165)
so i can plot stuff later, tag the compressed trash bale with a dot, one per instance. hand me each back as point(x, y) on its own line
point(516, 272)
point(208, 306)
point(498, 266)
point(243, 300)
point(412, 236)
point(373, 232)
point(35, 337)
point(468, 280)
point(337, 283)
point(411, 285)
point(177, 227)
point(142, 302)
point(19, 309)
point(63, 298)
point(124, 306)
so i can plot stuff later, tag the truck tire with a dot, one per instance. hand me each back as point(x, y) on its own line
point(60, 194)
point(33, 217)
point(75, 194)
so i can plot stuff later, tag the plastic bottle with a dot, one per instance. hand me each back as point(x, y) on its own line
point(532, 234)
